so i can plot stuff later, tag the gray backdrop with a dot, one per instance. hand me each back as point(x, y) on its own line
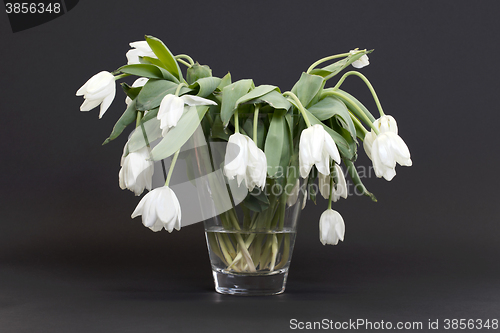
point(72, 259)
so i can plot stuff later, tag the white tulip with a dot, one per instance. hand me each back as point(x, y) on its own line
point(139, 49)
point(99, 89)
point(140, 82)
point(137, 171)
point(172, 108)
point(361, 62)
point(316, 147)
point(387, 148)
point(245, 161)
point(160, 209)
point(340, 191)
point(331, 227)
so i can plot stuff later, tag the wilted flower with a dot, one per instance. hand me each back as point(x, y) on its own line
point(139, 49)
point(387, 148)
point(316, 147)
point(361, 62)
point(331, 227)
point(160, 209)
point(99, 89)
point(245, 161)
point(137, 171)
point(172, 108)
point(324, 185)
point(140, 82)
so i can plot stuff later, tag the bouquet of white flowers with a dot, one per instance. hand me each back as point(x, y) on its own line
point(273, 138)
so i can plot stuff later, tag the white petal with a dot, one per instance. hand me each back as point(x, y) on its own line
point(192, 100)
point(368, 143)
point(106, 103)
point(90, 104)
point(324, 185)
point(331, 148)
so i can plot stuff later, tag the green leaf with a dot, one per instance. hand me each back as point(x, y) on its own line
point(257, 92)
point(127, 118)
point(131, 92)
point(178, 135)
point(333, 107)
point(153, 61)
point(338, 66)
point(144, 134)
point(307, 88)
point(351, 169)
point(226, 80)
point(274, 99)
point(218, 130)
point(205, 85)
point(149, 71)
point(153, 92)
point(277, 147)
point(230, 94)
point(165, 56)
point(256, 201)
point(197, 72)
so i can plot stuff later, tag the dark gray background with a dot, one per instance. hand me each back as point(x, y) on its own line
point(72, 260)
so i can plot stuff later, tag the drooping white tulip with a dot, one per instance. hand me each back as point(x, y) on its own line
point(140, 82)
point(136, 171)
point(331, 227)
point(324, 185)
point(160, 209)
point(245, 161)
point(387, 148)
point(316, 147)
point(99, 89)
point(172, 108)
point(139, 49)
point(361, 62)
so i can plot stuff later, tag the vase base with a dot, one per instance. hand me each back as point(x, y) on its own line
point(250, 284)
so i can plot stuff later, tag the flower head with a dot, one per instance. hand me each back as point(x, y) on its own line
point(137, 171)
point(139, 49)
point(172, 108)
point(316, 147)
point(361, 62)
point(99, 89)
point(140, 82)
point(387, 148)
point(340, 191)
point(245, 161)
point(331, 227)
point(160, 209)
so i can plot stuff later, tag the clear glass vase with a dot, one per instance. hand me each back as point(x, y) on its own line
point(250, 251)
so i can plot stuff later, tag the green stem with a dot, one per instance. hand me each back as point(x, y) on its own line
point(255, 122)
point(236, 122)
point(179, 87)
point(358, 123)
point(363, 115)
point(326, 59)
point(330, 189)
point(185, 56)
point(121, 76)
point(184, 63)
point(174, 159)
point(299, 106)
point(368, 84)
